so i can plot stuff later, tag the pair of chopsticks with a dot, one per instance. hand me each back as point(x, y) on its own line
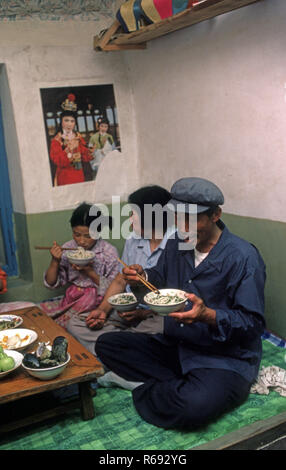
point(49, 247)
point(144, 281)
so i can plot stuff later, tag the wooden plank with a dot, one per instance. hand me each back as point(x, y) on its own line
point(86, 403)
point(124, 47)
point(198, 13)
point(248, 436)
point(100, 42)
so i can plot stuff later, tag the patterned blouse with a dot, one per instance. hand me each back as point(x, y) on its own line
point(105, 264)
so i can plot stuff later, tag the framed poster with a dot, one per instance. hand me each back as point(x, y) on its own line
point(81, 128)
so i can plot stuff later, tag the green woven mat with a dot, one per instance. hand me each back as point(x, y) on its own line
point(117, 426)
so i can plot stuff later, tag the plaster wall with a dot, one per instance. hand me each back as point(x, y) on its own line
point(210, 102)
point(37, 55)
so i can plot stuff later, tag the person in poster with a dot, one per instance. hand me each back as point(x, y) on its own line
point(68, 151)
point(101, 143)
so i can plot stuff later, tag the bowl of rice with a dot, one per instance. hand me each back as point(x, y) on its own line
point(80, 256)
point(167, 301)
point(125, 302)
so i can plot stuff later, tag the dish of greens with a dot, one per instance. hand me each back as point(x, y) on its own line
point(8, 322)
point(164, 299)
point(123, 299)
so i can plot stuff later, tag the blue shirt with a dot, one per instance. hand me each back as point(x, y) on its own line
point(137, 251)
point(231, 281)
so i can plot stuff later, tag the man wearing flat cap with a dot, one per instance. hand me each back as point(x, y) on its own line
point(205, 362)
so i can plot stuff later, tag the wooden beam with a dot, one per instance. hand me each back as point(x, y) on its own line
point(198, 13)
point(101, 41)
point(241, 438)
point(201, 11)
point(124, 47)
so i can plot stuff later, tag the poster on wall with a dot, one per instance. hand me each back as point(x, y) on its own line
point(81, 128)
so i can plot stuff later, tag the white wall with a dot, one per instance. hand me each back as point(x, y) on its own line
point(38, 55)
point(210, 102)
point(205, 101)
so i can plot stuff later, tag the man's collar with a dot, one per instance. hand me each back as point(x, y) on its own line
point(218, 246)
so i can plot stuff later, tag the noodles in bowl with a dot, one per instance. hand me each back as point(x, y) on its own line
point(167, 301)
point(124, 302)
point(80, 257)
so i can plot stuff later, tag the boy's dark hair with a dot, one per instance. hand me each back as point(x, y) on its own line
point(81, 216)
point(150, 195)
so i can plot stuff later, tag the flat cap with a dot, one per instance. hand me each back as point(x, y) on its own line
point(194, 195)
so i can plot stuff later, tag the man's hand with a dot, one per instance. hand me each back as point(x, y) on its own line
point(96, 319)
point(130, 273)
point(138, 314)
point(199, 312)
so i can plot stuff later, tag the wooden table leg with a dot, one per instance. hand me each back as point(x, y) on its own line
point(86, 403)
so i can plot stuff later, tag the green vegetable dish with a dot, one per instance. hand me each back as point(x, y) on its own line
point(161, 299)
point(123, 299)
point(6, 362)
point(7, 324)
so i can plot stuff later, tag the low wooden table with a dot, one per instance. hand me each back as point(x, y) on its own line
point(82, 369)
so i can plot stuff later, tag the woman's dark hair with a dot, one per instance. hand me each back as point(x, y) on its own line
point(102, 121)
point(81, 216)
point(150, 195)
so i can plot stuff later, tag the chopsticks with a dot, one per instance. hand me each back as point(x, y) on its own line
point(49, 247)
point(144, 281)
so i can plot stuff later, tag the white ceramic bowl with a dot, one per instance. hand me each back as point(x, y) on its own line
point(9, 318)
point(17, 339)
point(128, 307)
point(165, 309)
point(18, 358)
point(80, 261)
point(47, 373)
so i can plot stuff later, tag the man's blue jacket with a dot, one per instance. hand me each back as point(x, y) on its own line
point(230, 280)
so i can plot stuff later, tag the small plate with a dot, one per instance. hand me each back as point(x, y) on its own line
point(10, 318)
point(18, 358)
point(17, 339)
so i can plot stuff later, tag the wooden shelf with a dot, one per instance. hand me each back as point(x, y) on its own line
point(114, 39)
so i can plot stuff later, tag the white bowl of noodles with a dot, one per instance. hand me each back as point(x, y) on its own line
point(167, 301)
point(124, 302)
point(80, 256)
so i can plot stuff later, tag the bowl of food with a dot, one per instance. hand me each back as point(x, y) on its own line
point(17, 339)
point(80, 256)
point(46, 373)
point(166, 301)
point(125, 302)
point(8, 322)
point(47, 362)
point(9, 361)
